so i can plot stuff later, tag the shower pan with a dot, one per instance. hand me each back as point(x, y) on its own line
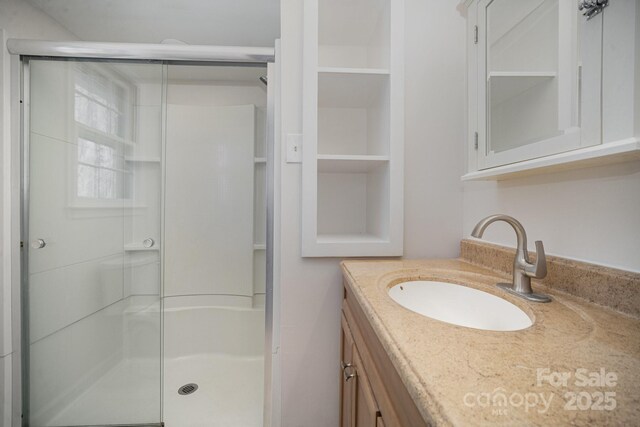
point(145, 287)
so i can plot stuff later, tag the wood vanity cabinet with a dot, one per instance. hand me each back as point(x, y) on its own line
point(372, 393)
point(359, 407)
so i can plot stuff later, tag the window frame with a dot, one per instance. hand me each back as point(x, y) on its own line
point(83, 131)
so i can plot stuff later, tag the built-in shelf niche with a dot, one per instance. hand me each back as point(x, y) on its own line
point(354, 34)
point(354, 205)
point(353, 128)
point(353, 113)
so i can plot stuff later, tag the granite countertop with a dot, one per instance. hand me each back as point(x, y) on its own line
point(578, 364)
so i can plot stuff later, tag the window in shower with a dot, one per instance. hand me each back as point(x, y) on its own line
point(102, 111)
point(102, 102)
point(98, 176)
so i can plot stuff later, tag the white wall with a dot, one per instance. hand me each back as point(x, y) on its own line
point(17, 19)
point(311, 289)
point(434, 128)
point(209, 200)
point(587, 214)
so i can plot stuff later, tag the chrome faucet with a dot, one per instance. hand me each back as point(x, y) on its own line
point(523, 269)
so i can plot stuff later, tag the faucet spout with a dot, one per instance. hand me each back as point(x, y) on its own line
point(521, 234)
point(523, 269)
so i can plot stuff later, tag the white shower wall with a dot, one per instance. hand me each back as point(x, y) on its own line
point(209, 200)
point(215, 198)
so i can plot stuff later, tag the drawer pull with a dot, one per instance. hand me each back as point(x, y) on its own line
point(348, 376)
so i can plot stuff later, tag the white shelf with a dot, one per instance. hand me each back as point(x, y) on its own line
point(259, 160)
point(506, 84)
point(350, 238)
point(349, 163)
point(344, 70)
point(137, 248)
point(522, 74)
point(142, 159)
point(612, 152)
point(259, 247)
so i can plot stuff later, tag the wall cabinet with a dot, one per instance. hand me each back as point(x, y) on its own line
point(549, 88)
point(353, 128)
point(372, 392)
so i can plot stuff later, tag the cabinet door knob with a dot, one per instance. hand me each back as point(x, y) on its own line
point(38, 244)
point(347, 376)
point(148, 243)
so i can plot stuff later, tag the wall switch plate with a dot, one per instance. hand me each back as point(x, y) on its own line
point(294, 148)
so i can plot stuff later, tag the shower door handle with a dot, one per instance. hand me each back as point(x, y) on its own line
point(38, 244)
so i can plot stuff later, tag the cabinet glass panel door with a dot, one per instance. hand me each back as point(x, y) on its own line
point(529, 79)
point(93, 237)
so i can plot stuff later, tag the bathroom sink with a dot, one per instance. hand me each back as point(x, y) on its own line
point(460, 305)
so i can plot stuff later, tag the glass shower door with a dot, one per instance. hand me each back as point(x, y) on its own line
point(93, 210)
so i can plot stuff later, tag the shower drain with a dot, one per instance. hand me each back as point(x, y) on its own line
point(188, 389)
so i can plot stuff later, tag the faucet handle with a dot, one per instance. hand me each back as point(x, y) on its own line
point(539, 269)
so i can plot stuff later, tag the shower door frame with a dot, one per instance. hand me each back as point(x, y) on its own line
point(23, 51)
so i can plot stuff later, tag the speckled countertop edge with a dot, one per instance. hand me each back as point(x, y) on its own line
point(428, 400)
point(431, 411)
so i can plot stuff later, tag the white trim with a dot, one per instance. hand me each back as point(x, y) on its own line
point(13, 221)
point(140, 51)
point(309, 219)
point(612, 152)
point(273, 397)
point(568, 137)
point(341, 70)
point(568, 140)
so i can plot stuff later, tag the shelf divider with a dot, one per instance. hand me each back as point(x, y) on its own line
point(345, 70)
point(338, 163)
point(506, 84)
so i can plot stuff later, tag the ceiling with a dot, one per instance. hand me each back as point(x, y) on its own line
point(212, 22)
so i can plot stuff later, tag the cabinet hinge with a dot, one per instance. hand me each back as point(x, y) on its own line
point(475, 140)
point(475, 34)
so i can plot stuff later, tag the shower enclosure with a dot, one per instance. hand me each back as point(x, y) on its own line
point(144, 263)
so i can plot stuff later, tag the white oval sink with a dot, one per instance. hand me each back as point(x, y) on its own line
point(460, 305)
